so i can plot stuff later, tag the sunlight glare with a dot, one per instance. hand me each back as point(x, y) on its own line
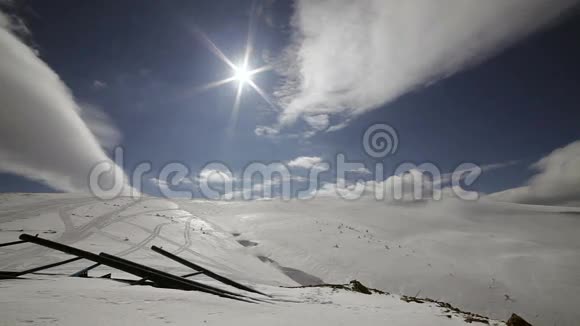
point(242, 75)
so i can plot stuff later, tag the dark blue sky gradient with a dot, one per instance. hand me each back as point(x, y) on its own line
point(520, 105)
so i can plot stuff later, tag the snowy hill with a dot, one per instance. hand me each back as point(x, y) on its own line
point(488, 258)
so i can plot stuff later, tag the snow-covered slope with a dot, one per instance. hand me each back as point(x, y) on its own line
point(492, 259)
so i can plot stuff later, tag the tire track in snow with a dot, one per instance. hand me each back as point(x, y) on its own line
point(68, 237)
point(186, 236)
point(142, 243)
point(207, 260)
point(73, 234)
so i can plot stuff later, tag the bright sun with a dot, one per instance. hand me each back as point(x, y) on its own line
point(242, 75)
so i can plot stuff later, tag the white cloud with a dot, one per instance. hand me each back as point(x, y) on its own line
point(97, 85)
point(305, 162)
point(342, 189)
point(408, 186)
point(317, 122)
point(361, 170)
point(557, 181)
point(162, 184)
point(42, 135)
point(11, 22)
point(353, 56)
point(411, 186)
point(173, 186)
point(265, 131)
point(338, 126)
point(464, 171)
point(214, 176)
point(167, 183)
point(100, 125)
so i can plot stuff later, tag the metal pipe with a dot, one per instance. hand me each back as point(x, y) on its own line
point(190, 283)
point(11, 243)
point(191, 274)
point(160, 278)
point(205, 271)
point(85, 271)
point(36, 269)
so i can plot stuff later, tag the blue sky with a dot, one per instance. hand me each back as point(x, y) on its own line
point(141, 63)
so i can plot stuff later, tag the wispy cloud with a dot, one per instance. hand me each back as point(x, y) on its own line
point(42, 134)
point(100, 125)
point(349, 57)
point(361, 170)
point(98, 85)
point(446, 178)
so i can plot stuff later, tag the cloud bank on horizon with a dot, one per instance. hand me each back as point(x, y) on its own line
point(350, 57)
point(42, 134)
point(556, 183)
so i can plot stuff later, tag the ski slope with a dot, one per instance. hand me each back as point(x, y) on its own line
point(489, 258)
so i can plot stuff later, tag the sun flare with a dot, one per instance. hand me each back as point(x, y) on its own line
point(242, 74)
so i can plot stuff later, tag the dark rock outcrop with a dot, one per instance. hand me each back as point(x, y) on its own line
point(516, 320)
